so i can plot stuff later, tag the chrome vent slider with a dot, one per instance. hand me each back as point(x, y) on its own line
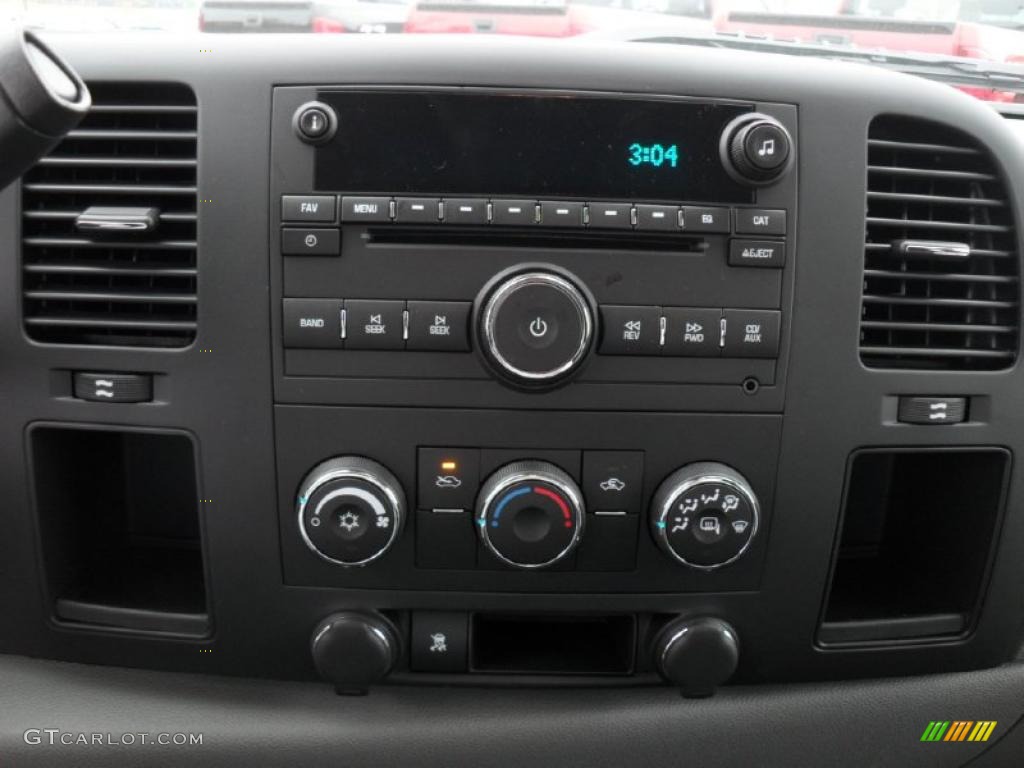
point(100, 218)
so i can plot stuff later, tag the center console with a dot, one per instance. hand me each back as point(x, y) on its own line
point(663, 368)
point(517, 252)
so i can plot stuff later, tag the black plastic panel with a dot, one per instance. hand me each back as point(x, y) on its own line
point(222, 388)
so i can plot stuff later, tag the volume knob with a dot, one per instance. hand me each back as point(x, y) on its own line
point(534, 328)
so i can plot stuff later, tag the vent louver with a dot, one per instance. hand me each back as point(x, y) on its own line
point(940, 265)
point(115, 283)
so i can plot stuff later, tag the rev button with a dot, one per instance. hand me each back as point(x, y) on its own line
point(630, 330)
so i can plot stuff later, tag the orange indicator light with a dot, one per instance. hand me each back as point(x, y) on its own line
point(449, 466)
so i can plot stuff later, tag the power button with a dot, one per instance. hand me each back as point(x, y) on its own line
point(535, 328)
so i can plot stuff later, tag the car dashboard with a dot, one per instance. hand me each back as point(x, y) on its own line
point(622, 400)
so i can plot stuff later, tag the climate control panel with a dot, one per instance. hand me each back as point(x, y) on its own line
point(619, 504)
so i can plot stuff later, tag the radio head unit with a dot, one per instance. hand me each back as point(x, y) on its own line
point(510, 244)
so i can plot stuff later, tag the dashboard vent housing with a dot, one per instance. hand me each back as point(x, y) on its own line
point(135, 152)
point(941, 274)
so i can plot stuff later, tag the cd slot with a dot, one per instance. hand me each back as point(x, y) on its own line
point(510, 237)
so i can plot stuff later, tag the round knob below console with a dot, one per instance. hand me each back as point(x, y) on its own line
point(535, 328)
point(354, 650)
point(350, 510)
point(530, 514)
point(697, 654)
point(704, 515)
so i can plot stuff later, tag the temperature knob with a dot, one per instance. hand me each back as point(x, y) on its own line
point(351, 510)
point(530, 514)
point(704, 515)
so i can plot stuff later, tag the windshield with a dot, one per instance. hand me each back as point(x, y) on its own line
point(976, 45)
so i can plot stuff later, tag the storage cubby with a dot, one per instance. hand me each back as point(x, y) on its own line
point(119, 528)
point(552, 645)
point(915, 541)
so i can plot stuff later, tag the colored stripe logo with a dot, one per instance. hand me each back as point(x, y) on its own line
point(958, 730)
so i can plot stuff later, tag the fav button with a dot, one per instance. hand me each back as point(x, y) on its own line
point(373, 324)
point(310, 242)
point(307, 207)
point(630, 330)
point(312, 323)
point(440, 326)
point(752, 333)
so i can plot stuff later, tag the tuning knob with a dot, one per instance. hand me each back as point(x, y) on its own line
point(534, 327)
point(351, 510)
point(756, 149)
point(354, 650)
point(704, 515)
point(697, 654)
point(530, 514)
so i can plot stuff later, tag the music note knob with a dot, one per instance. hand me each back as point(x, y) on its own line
point(756, 149)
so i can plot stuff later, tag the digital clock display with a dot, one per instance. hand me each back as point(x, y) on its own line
point(656, 155)
point(526, 144)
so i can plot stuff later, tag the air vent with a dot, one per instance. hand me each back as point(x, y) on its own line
point(109, 223)
point(940, 264)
